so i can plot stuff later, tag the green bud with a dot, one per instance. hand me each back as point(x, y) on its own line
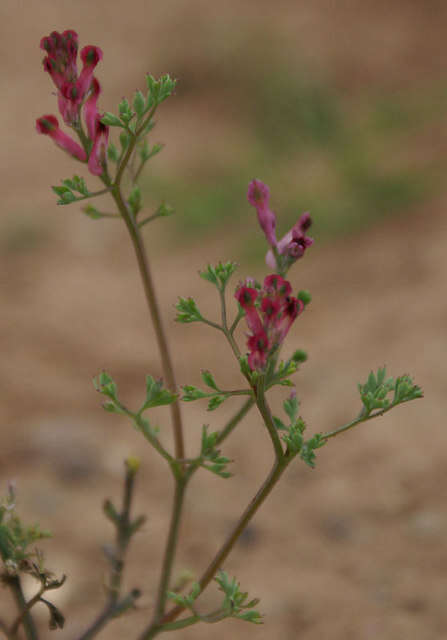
point(299, 356)
point(304, 296)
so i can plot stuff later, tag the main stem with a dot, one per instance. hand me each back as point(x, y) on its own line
point(149, 291)
point(170, 548)
point(265, 489)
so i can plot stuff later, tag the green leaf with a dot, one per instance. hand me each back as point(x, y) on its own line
point(164, 210)
point(219, 274)
point(112, 152)
point(111, 120)
point(155, 394)
point(92, 212)
point(279, 424)
point(208, 379)
point(124, 140)
point(307, 453)
point(192, 393)
point(215, 402)
point(291, 406)
point(187, 311)
point(135, 199)
point(125, 110)
point(139, 103)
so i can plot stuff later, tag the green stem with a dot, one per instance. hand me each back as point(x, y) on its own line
point(265, 412)
point(228, 333)
point(169, 555)
point(152, 303)
point(220, 557)
point(26, 618)
point(356, 421)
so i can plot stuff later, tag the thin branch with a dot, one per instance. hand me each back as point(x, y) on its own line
point(27, 620)
point(222, 554)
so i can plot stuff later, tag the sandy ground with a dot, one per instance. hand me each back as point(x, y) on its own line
point(355, 549)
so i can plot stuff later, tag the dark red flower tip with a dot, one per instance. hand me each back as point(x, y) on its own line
point(91, 55)
point(246, 296)
point(275, 283)
point(47, 124)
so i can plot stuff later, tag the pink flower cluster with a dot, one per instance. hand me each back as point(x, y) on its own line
point(293, 245)
point(270, 313)
point(75, 93)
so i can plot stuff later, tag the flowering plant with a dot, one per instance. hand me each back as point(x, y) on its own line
point(268, 310)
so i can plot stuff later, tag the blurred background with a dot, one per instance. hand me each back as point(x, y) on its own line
point(339, 107)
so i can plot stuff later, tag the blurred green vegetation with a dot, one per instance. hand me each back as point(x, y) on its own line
point(349, 159)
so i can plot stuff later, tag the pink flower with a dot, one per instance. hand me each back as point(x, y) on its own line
point(270, 321)
point(73, 91)
point(48, 125)
point(293, 245)
point(90, 57)
point(91, 109)
point(61, 64)
point(258, 195)
point(97, 158)
point(62, 50)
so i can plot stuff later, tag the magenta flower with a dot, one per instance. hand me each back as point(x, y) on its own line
point(61, 64)
point(293, 245)
point(258, 195)
point(97, 158)
point(48, 125)
point(91, 109)
point(75, 91)
point(270, 319)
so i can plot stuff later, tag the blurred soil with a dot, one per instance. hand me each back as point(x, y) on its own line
point(353, 550)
